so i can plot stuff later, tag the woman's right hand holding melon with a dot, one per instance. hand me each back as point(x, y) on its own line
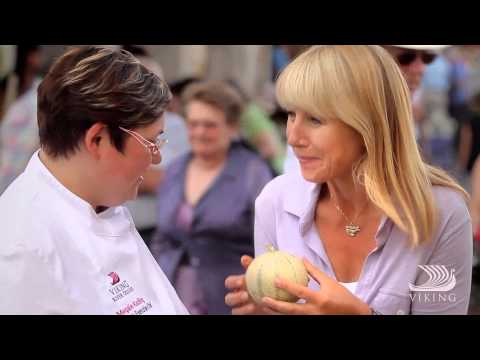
point(238, 298)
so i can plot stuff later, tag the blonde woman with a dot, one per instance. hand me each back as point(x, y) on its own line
point(381, 232)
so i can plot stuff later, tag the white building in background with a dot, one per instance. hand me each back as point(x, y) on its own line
point(249, 65)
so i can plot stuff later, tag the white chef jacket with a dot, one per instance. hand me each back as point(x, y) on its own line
point(58, 256)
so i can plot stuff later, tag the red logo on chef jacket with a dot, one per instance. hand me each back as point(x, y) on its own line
point(115, 277)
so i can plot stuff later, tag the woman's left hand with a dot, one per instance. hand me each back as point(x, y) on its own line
point(331, 299)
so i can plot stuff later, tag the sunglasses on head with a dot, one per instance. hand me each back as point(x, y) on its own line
point(408, 57)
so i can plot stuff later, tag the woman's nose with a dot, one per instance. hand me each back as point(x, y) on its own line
point(295, 136)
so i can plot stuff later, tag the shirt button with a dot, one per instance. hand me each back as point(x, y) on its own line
point(195, 261)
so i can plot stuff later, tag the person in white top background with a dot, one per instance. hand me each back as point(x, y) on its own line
point(68, 246)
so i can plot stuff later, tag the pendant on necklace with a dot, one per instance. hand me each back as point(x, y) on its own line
point(352, 230)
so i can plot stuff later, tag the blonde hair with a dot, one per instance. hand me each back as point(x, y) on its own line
point(362, 86)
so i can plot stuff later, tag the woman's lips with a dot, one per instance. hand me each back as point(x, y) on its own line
point(306, 160)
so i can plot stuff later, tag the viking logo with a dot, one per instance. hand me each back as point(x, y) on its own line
point(439, 279)
point(115, 277)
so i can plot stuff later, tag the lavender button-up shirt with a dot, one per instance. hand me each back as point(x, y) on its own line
point(434, 278)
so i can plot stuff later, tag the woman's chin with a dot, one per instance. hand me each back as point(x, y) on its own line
point(312, 176)
point(204, 153)
point(135, 189)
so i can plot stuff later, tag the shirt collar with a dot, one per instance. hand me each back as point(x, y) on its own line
point(302, 203)
point(36, 165)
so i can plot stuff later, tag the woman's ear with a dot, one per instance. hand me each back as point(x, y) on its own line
point(95, 137)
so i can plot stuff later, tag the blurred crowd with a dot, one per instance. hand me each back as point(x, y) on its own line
point(195, 210)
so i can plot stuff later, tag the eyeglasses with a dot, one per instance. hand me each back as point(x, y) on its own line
point(408, 57)
point(154, 148)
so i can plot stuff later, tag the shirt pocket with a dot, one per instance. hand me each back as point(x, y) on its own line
point(391, 302)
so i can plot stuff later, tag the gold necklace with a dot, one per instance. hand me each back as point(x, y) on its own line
point(351, 229)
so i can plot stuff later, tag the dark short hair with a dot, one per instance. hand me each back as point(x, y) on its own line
point(475, 102)
point(23, 51)
point(177, 87)
point(219, 95)
point(96, 84)
point(136, 50)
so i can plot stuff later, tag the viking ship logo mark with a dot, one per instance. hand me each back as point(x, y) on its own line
point(439, 279)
